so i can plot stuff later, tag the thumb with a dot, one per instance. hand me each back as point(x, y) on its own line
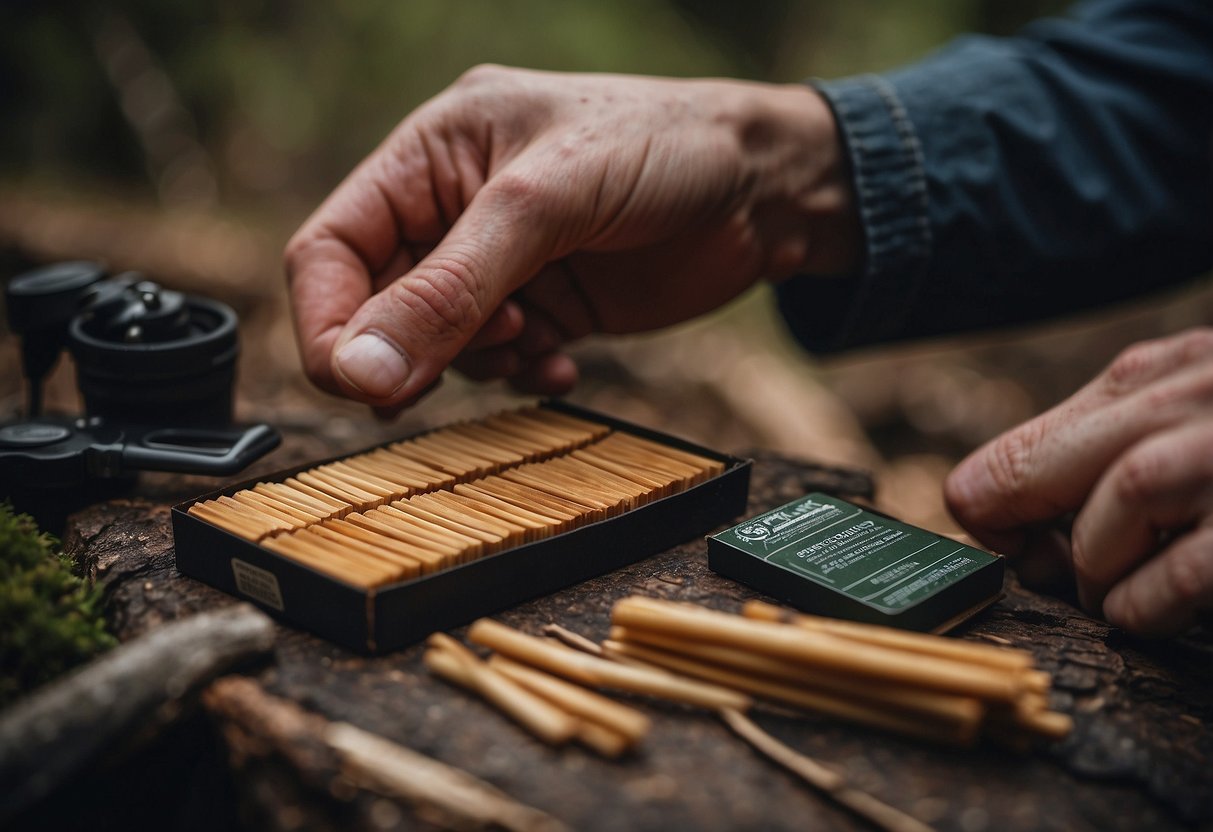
point(402, 338)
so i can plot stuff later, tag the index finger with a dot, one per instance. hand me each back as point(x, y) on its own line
point(333, 259)
point(1048, 466)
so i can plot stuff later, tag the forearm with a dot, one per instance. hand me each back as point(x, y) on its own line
point(1000, 180)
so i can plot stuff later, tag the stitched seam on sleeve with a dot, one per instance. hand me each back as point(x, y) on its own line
point(921, 246)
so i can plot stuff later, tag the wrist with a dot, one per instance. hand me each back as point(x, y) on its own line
point(803, 195)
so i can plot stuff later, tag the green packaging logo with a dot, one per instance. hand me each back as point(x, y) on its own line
point(881, 562)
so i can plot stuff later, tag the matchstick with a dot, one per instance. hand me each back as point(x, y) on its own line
point(801, 666)
point(954, 732)
point(1000, 657)
point(818, 649)
point(594, 672)
point(461, 492)
point(930, 705)
point(455, 663)
point(576, 700)
point(880, 814)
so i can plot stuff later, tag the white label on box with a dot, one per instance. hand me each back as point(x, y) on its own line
point(257, 584)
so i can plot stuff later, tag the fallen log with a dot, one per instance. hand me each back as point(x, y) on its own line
point(439, 793)
point(124, 697)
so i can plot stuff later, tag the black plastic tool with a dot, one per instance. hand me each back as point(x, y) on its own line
point(156, 369)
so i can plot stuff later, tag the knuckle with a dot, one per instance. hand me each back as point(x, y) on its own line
point(1009, 460)
point(481, 74)
point(295, 252)
point(529, 198)
point(1132, 366)
point(1186, 571)
point(1163, 398)
point(520, 190)
point(442, 300)
point(1137, 476)
point(1143, 362)
point(1194, 344)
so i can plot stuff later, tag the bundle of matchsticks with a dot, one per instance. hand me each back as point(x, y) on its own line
point(545, 686)
point(455, 494)
point(925, 686)
point(936, 688)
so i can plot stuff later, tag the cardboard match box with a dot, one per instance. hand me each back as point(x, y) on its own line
point(829, 557)
point(382, 618)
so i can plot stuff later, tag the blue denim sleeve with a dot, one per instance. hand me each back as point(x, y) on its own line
point(1006, 180)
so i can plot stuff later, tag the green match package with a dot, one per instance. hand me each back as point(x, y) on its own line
point(830, 557)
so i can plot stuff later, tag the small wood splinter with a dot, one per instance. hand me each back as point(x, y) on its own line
point(881, 815)
point(595, 672)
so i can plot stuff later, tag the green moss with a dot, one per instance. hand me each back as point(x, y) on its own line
point(50, 619)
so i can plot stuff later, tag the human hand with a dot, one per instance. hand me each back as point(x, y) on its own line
point(518, 211)
point(1131, 456)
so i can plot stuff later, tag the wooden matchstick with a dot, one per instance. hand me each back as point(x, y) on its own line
point(570, 639)
point(455, 663)
point(238, 524)
point(284, 493)
point(283, 521)
point(537, 524)
point(931, 705)
point(830, 783)
point(341, 506)
point(437, 500)
point(576, 700)
point(602, 740)
point(1000, 657)
point(429, 560)
point(255, 499)
point(853, 710)
point(595, 672)
point(818, 649)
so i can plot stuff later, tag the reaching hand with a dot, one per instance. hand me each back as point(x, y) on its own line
point(518, 211)
point(1131, 457)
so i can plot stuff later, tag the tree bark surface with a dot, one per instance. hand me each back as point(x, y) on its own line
point(1139, 757)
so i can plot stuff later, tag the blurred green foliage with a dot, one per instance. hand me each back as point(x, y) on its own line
point(51, 619)
point(271, 103)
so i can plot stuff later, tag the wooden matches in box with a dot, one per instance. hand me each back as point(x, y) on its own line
point(455, 494)
point(379, 549)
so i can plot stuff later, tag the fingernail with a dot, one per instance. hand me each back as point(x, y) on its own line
point(373, 364)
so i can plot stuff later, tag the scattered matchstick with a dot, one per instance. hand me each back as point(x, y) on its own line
point(455, 663)
point(595, 672)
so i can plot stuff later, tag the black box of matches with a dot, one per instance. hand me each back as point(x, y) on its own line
point(376, 550)
point(830, 557)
